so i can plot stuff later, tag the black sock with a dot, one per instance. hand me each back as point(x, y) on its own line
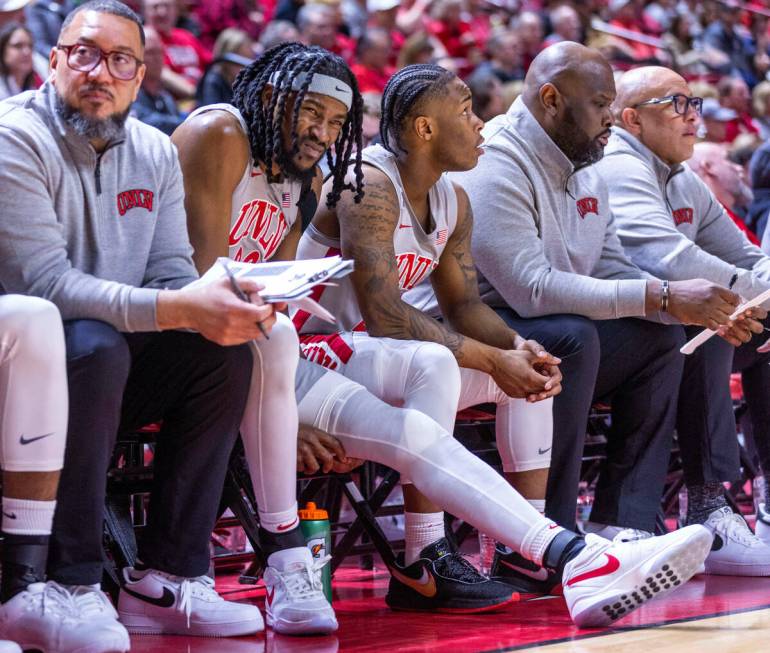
point(704, 499)
point(766, 498)
point(565, 546)
point(272, 542)
point(23, 561)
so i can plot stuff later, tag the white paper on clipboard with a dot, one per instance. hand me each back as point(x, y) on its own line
point(691, 345)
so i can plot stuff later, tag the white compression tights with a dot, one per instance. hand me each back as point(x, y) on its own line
point(269, 425)
point(33, 385)
point(411, 442)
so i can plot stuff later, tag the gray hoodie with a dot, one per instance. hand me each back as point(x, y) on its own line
point(98, 235)
point(671, 224)
point(543, 235)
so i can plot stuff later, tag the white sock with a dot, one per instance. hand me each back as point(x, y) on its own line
point(279, 522)
point(420, 530)
point(27, 517)
point(537, 504)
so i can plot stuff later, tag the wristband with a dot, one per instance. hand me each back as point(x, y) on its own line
point(664, 296)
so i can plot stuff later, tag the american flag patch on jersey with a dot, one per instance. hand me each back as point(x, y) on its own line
point(285, 200)
point(441, 237)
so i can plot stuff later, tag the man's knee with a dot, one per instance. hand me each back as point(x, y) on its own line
point(278, 356)
point(440, 363)
point(27, 325)
point(98, 353)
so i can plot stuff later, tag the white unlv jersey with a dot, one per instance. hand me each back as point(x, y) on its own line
point(262, 213)
point(417, 255)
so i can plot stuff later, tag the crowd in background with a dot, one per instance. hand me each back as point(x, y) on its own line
point(195, 48)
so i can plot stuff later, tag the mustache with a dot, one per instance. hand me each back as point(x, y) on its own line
point(88, 88)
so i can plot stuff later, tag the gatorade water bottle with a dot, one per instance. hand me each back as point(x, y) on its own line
point(316, 529)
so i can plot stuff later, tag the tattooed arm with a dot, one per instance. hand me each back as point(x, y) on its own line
point(366, 234)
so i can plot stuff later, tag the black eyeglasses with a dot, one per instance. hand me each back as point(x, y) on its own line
point(84, 58)
point(681, 103)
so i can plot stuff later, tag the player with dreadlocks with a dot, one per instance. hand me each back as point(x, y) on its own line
point(414, 225)
point(251, 173)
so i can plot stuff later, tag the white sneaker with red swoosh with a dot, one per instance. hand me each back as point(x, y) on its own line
point(295, 603)
point(608, 580)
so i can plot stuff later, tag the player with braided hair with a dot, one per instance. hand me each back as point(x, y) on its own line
point(251, 174)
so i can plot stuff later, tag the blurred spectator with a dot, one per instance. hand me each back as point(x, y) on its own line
point(703, 89)
point(626, 14)
point(287, 10)
point(423, 48)
point(726, 180)
point(184, 56)
point(661, 13)
point(448, 26)
point(760, 103)
point(504, 55)
point(372, 115)
point(154, 105)
point(12, 11)
point(511, 91)
point(44, 19)
point(487, 92)
point(723, 36)
point(233, 50)
point(565, 24)
point(215, 16)
point(528, 27)
point(319, 24)
point(186, 18)
point(277, 32)
point(715, 119)
point(372, 69)
point(688, 60)
point(16, 71)
point(411, 17)
point(742, 149)
point(382, 14)
point(734, 94)
point(759, 176)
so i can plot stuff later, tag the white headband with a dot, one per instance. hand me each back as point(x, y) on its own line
point(320, 83)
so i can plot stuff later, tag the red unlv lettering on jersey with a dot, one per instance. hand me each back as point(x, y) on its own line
point(136, 198)
point(262, 222)
point(413, 268)
point(683, 216)
point(587, 205)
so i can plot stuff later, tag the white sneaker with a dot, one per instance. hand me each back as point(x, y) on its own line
point(45, 617)
point(295, 603)
point(99, 617)
point(736, 550)
point(153, 602)
point(608, 580)
point(9, 647)
point(762, 525)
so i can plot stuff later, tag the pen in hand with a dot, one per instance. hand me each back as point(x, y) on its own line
point(241, 295)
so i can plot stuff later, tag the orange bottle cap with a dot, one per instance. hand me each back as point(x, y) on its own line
point(312, 512)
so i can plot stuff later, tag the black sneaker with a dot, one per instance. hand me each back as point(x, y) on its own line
point(522, 575)
point(443, 581)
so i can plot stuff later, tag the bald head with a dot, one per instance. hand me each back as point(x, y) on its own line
point(661, 127)
point(569, 89)
point(641, 84)
point(727, 180)
point(704, 154)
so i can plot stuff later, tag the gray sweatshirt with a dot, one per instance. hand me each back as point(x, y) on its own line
point(98, 235)
point(671, 224)
point(543, 235)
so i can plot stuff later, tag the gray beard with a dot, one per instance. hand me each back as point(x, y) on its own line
point(106, 129)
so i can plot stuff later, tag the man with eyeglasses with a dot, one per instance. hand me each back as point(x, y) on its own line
point(551, 265)
point(672, 226)
point(93, 219)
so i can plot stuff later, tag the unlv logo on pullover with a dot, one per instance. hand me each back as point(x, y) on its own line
point(587, 205)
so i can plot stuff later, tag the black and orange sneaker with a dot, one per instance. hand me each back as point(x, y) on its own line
point(442, 580)
point(522, 575)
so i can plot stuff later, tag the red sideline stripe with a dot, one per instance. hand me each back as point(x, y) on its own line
point(300, 317)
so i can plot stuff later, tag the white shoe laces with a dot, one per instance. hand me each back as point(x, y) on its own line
point(91, 602)
point(303, 581)
point(631, 535)
point(54, 600)
point(733, 527)
point(200, 587)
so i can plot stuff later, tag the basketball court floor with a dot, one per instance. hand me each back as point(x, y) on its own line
point(711, 614)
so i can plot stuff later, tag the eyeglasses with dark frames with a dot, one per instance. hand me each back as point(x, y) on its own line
point(84, 58)
point(680, 102)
